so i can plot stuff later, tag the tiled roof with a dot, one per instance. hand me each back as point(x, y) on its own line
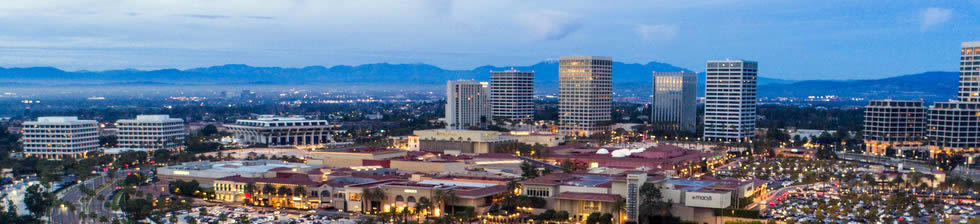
point(588, 196)
point(480, 192)
point(281, 178)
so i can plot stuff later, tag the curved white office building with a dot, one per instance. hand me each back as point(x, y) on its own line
point(276, 130)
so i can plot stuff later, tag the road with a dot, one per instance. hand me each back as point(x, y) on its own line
point(82, 203)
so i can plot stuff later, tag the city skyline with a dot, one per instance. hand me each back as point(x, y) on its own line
point(99, 35)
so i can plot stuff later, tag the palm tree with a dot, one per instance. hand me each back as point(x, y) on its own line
point(445, 198)
point(423, 205)
point(373, 194)
point(268, 189)
point(299, 190)
point(914, 178)
point(284, 190)
point(250, 188)
point(619, 207)
point(898, 181)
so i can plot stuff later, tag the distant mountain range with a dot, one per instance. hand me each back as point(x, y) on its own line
point(628, 78)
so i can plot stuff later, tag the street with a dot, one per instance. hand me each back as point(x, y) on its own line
point(76, 197)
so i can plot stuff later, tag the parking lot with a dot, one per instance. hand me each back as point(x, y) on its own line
point(830, 204)
point(232, 214)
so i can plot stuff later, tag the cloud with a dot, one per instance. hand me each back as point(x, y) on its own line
point(657, 32)
point(934, 16)
point(204, 16)
point(258, 17)
point(549, 25)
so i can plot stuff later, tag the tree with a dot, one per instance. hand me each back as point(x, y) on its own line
point(132, 179)
point(38, 200)
point(138, 209)
point(250, 188)
point(423, 204)
point(593, 218)
point(299, 191)
point(652, 202)
point(268, 189)
point(371, 195)
point(528, 171)
point(209, 130)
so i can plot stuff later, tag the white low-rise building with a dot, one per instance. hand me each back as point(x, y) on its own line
point(275, 130)
point(151, 132)
point(60, 137)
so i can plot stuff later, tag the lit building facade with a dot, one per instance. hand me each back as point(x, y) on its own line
point(730, 100)
point(970, 72)
point(274, 130)
point(512, 94)
point(675, 104)
point(584, 95)
point(894, 124)
point(467, 104)
point(954, 127)
point(60, 137)
point(151, 132)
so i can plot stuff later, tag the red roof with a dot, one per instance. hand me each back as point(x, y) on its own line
point(588, 196)
point(281, 178)
point(281, 169)
point(479, 192)
point(496, 156)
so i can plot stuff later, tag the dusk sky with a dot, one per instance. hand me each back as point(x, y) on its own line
point(791, 39)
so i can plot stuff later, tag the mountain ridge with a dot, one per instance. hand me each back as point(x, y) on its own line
point(632, 78)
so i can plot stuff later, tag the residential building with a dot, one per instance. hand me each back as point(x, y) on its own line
point(893, 124)
point(151, 132)
point(60, 137)
point(467, 104)
point(675, 102)
point(730, 100)
point(584, 95)
point(275, 130)
point(512, 95)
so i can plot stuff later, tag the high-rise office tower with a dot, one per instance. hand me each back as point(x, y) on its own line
point(467, 104)
point(970, 72)
point(151, 132)
point(584, 94)
point(675, 101)
point(954, 127)
point(730, 100)
point(512, 94)
point(895, 124)
point(60, 137)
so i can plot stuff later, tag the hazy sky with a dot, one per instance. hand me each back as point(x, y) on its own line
point(820, 39)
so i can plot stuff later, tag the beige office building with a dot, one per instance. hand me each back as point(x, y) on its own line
point(584, 95)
